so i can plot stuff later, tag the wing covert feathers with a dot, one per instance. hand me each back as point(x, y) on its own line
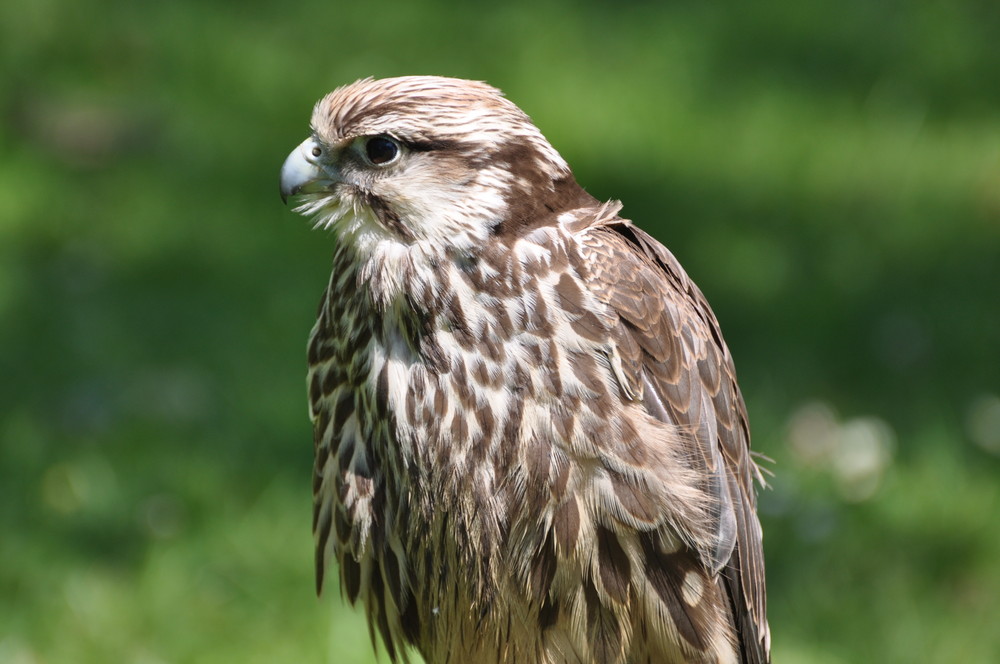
point(672, 354)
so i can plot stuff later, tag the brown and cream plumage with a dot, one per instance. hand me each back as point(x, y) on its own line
point(530, 444)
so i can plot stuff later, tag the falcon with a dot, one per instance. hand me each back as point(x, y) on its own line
point(529, 441)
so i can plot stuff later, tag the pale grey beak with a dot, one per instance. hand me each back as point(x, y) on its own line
point(301, 168)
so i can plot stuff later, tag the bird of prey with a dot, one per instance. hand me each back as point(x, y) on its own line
point(529, 441)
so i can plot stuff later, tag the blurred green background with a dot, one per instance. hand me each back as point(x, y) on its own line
point(829, 173)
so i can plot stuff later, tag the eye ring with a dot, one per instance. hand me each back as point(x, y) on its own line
point(381, 150)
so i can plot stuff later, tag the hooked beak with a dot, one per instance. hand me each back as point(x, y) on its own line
point(300, 169)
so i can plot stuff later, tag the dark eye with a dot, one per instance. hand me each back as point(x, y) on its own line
point(381, 150)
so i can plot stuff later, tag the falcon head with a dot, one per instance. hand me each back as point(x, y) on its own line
point(424, 160)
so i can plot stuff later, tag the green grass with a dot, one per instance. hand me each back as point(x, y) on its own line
point(829, 173)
